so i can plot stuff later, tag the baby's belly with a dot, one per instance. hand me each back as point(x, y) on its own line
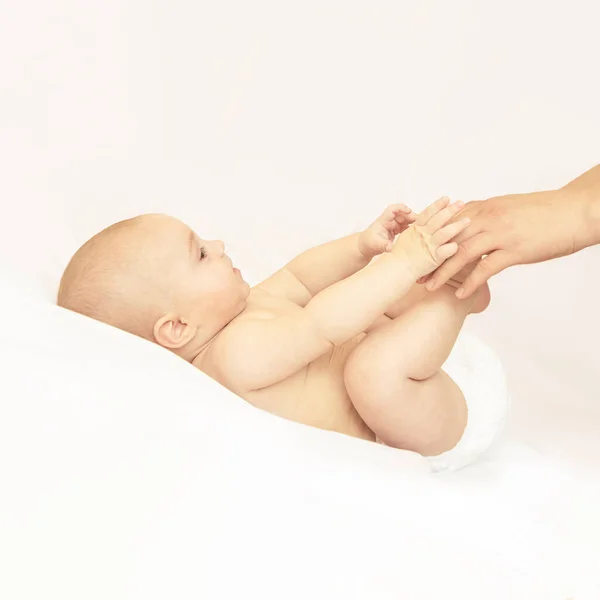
point(316, 395)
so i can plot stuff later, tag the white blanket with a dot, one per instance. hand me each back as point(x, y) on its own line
point(127, 473)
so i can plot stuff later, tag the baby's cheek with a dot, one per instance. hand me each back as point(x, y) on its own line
point(224, 284)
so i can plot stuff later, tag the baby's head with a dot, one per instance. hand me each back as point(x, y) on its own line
point(154, 277)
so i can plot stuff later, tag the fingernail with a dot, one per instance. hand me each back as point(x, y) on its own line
point(429, 285)
point(460, 293)
point(466, 220)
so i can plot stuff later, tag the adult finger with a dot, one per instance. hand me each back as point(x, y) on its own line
point(468, 251)
point(490, 265)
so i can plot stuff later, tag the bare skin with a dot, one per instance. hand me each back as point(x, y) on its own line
point(341, 338)
point(524, 229)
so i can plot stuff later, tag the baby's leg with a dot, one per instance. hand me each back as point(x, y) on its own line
point(415, 295)
point(395, 381)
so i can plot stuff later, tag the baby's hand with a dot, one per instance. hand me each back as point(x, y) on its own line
point(427, 244)
point(380, 235)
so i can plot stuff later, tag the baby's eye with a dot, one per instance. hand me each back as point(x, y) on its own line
point(202, 253)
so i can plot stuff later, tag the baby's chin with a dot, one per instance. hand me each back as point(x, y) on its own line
point(245, 287)
point(241, 304)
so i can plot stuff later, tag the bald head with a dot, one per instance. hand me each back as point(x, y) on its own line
point(154, 277)
point(115, 277)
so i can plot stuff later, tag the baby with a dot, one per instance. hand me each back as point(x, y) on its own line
point(341, 338)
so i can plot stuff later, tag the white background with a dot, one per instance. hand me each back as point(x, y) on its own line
point(275, 125)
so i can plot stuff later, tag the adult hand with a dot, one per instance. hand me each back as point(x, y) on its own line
point(512, 230)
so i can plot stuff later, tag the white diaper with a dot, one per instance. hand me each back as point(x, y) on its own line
point(477, 371)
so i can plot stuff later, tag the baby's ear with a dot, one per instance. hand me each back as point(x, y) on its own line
point(171, 332)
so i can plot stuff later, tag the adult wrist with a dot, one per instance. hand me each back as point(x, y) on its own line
point(593, 215)
point(585, 205)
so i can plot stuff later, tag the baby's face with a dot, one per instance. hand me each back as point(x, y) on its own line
point(202, 280)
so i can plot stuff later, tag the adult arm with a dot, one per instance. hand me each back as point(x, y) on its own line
point(523, 229)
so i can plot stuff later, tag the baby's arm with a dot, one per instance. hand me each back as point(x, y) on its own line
point(257, 353)
point(321, 266)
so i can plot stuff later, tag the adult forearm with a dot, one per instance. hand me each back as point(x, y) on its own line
point(323, 265)
point(583, 193)
point(350, 306)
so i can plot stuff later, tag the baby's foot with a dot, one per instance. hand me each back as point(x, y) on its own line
point(480, 300)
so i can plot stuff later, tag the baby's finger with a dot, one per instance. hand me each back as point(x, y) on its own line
point(383, 243)
point(392, 210)
point(387, 236)
point(450, 231)
point(406, 218)
point(399, 208)
point(444, 216)
point(445, 252)
point(432, 210)
point(471, 231)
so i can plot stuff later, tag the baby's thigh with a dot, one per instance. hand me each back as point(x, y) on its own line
point(427, 416)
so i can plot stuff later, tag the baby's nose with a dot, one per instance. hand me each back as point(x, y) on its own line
point(220, 247)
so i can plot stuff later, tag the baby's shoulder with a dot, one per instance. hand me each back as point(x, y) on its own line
point(261, 310)
point(243, 337)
